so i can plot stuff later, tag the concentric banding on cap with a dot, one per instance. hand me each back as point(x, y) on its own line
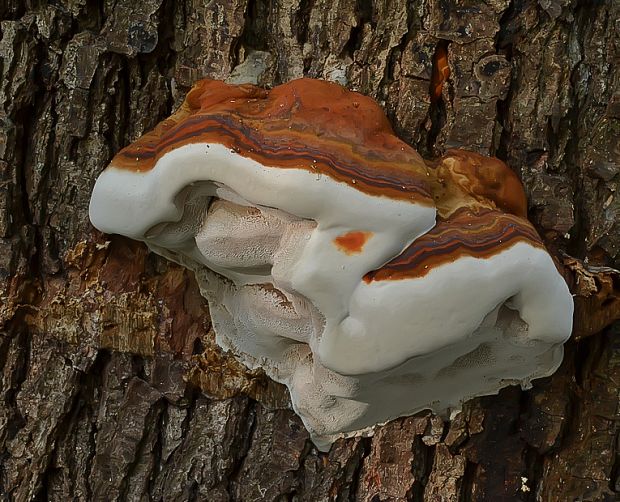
point(479, 233)
point(304, 124)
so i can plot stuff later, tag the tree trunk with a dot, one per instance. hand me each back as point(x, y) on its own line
point(111, 386)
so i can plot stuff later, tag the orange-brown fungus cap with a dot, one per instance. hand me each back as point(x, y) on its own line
point(304, 124)
point(470, 179)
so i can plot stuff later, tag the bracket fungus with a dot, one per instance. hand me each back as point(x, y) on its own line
point(370, 282)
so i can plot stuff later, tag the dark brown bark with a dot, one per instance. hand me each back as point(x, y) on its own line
point(111, 387)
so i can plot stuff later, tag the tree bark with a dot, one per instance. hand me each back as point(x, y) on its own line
point(111, 386)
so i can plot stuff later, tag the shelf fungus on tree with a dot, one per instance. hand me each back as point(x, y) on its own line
point(371, 283)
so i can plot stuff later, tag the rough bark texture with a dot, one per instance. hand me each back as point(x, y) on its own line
point(111, 387)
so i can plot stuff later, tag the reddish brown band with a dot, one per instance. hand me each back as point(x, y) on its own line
point(476, 233)
point(309, 124)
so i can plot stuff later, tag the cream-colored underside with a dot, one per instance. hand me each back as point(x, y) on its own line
point(285, 297)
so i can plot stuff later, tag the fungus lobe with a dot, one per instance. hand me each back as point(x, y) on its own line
point(372, 283)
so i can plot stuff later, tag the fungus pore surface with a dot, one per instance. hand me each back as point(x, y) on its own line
point(372, 283)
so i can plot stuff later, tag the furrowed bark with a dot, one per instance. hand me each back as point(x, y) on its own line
point(111, 386)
